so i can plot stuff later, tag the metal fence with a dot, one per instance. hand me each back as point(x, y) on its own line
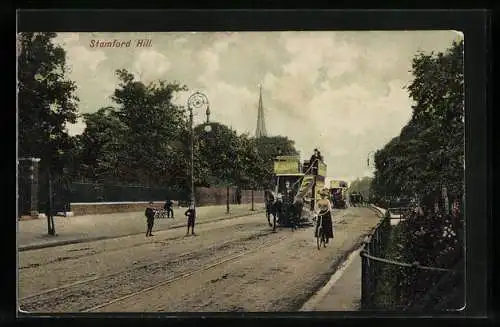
point(93, 192)
point(439, 297)
point(65, 193)
point(374, 245)
point(420, 287)
point(24, 188)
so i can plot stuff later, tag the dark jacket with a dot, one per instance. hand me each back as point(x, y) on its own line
point(149, 213)
point(190, 213)
point(168, 204)
point(314, 163)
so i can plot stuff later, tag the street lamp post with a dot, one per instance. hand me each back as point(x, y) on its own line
point(196, 101)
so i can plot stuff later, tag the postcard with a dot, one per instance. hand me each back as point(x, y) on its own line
point(241, 171)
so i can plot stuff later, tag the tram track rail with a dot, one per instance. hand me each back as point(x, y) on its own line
point(139, 243)
point(186, 275)
point(72, 293)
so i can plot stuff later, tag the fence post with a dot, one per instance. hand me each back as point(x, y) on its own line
point(364, 279)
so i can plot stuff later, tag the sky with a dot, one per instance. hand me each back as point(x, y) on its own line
point(340, 92)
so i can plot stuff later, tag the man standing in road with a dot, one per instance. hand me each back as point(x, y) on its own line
point(150, 218)
point(168, 208)
point(191, 215)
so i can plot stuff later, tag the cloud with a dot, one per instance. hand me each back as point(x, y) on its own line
point(150, 65)
point(76, 128)
point(87, 59)
point(84, 67)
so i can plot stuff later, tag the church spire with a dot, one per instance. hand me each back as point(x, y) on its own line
point(261, 124)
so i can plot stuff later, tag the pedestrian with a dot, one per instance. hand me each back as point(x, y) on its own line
point(238, 195)
point(168, 208)
point(150, 219)
point(313, 162)
point(191, 215)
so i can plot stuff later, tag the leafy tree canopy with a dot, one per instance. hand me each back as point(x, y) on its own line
point(46, 101)
point(429, 152)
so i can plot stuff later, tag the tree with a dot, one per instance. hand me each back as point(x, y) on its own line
point(427, 155)
point(145, 139)
point(268, 148)
point(252, 172)
point(46, 101)
point(218, 154)
point(156, 149)
point(429, 152)
point(102, 146)
point(223, 157)
point(361, 186)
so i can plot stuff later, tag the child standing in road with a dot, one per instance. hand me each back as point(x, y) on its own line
point(191, 214)
point(150, 218)
point(168, 208)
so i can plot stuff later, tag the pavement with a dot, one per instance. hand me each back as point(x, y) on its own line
point(343, 290)
point(32, 234)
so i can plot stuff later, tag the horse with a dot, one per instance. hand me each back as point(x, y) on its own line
point(272, 208)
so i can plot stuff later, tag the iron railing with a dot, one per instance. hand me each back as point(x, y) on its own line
point(424, 287)
point(94, 192)
point(401, 212)
point(438, 297)
point(373, 245)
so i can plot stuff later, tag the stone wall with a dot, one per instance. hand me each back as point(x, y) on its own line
point(81, 209)
point(218, 196)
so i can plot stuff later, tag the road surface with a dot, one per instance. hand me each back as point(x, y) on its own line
point(32, 234)
point(231, 265)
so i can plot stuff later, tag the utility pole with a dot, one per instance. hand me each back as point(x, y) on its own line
point(252, 201)
point(227, 199)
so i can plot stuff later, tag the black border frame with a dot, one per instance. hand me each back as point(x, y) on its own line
point(474, 24)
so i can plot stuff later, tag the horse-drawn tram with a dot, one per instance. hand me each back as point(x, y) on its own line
point(338, 193)
point(295, 185)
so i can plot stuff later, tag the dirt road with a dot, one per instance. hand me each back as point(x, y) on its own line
point(232, 265)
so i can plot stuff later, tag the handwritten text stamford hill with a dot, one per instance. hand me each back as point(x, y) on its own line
point(140, 43)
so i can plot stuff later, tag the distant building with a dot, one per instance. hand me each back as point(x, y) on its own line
point(261, 123)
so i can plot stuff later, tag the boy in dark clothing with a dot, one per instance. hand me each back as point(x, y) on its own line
point(191, 214)
point(168, 208)
point(150, 218)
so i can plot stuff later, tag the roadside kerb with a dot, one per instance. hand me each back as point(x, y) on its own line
point(382, 211)
point(99, 238)
point(311, 301)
